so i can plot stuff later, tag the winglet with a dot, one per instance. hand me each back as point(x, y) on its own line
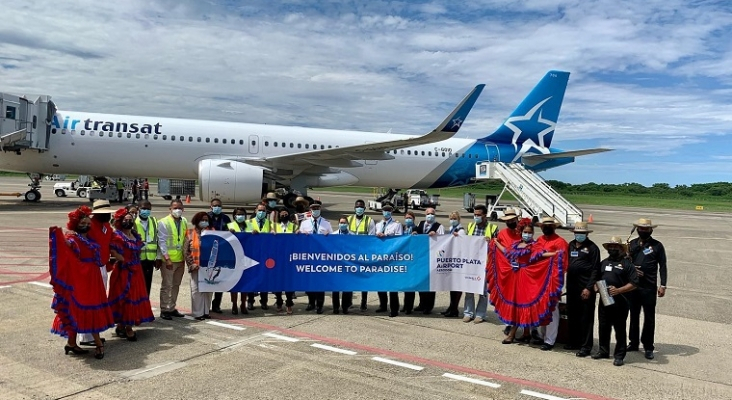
point(455, 120)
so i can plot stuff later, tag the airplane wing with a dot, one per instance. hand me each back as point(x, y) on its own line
point(533, 159)
point(345, 157)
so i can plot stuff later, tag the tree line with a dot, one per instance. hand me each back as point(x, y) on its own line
point(697, 190)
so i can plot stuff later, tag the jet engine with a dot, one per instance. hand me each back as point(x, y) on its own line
point(231, 181)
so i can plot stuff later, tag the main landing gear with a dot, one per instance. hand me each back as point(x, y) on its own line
point(34, 194)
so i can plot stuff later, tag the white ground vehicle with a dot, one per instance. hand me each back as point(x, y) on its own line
point(66, 189)
point(418, 198)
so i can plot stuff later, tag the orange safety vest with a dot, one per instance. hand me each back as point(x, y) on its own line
point(195, 246)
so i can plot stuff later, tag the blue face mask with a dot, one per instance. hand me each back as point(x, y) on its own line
point(360, 211)
point(343, 227)
point(272, 204)
point(240, 218)
point(580, 237)
point(315, 213)
point(261, 214)
point(144, 213)
point(526, 237)
point(203, 224)
point(454, 222)
point(387, 214)
point(430, 218)
point(216, 210)
point(408, 221)
point(478, 220)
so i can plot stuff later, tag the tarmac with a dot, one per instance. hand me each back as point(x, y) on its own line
point(264, 355)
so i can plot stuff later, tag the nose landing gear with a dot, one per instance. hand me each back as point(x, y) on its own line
point(34, 193)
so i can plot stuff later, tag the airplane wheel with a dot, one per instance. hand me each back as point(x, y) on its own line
point(32, 195)
point(60, 193)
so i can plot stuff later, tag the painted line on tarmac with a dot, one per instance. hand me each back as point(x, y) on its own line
point(471, 380)
point(333, 349)
point(39, 277)
point(541, 395)
point(138, 374)
point(280, 337)
point(42, 284)
point(5, 286)
point(234, 327)
point(398, 363)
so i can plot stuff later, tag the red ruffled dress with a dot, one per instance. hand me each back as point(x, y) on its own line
point(80, 300)
point(127, 291)
point(524, 287)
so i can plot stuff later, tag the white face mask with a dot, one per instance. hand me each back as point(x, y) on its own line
point(177, 213)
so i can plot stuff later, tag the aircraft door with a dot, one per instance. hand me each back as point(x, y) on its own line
point(253, 144)
point(494, 154)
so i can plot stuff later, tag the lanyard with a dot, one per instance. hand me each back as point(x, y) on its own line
point(360, 221)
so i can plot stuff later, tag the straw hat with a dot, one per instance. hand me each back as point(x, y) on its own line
point(509, 214)
point(644, 223)
point(101, 207)
point(616, 240)
point(271, 196)
point(548, 221)
point(580, 227)
point(301, 200)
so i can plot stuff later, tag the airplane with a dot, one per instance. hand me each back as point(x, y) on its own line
point(238, 162)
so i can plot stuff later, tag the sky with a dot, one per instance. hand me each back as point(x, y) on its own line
point(651, 80)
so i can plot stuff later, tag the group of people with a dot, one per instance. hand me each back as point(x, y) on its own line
point(525, 275)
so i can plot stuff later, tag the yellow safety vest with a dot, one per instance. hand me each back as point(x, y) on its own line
point(253, 226)
point(234, 226)
point(490, 229)
point(359, 229)
point(290, 228)
point(150, 238)
point(175, 238)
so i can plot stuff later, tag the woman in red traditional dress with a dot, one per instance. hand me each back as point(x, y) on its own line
point(80, 299)
point(127, 291)
point(525, 283)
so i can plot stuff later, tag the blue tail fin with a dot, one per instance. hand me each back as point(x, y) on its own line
point(536, 117)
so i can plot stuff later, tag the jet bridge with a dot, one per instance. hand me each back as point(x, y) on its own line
point(531, 191)
point(25, 124)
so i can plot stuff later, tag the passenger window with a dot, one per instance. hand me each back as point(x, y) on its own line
point(198, 139)
point(223, 141)
point(423, 152)
point(299, 145)
point(129, 136)
point(322, 147)
point(330, 147)
point(307, 146)
point(401, 152)
point(91, 133)
point(119, 135)
point(241, 142)
point(155, 137)
point(275, 144)
point(409, 152)
point(10, 112)
point(147, 136)
point(216, 140)
point(208, 140)
point(457, 155)
point(254, 142)
point(165, 137)
point(292, 145)
point(266, 144)
point(172, 138)
point(283, 144)
point(110, 134)
point(443, 154)
point(190, 138)
point(137, 136)
point(233, 141)
point(82, 133)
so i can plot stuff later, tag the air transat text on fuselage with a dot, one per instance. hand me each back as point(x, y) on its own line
point(107, 126)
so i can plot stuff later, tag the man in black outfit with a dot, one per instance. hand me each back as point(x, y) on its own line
point(426, 299)
point(584, 268)
point(620, 277)
point(218, 221)
point(649, 258)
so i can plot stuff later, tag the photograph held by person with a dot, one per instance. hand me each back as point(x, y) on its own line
point(582, 273)
point(200, 302)
point(80, 298)
point(172, 231)
point(621, 277)
point(127, 294)
point(649, 257)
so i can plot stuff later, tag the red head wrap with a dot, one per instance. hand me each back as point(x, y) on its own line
point(119, 216)
point(523, 223)
point(76, 216)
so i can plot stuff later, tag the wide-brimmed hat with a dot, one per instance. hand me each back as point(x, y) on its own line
point(101, 207)
point(271, 196)
point(509, 214)
point(387, 204)
point(616, 240)
point(548, 220)
point(644, 223)
point(301, 200)
point(580, 227)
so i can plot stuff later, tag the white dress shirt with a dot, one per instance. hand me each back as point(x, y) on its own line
point(389, 227)
point(308, 226)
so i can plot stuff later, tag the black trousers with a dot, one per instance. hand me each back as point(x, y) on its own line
point(316, 298)
point(216, 303)
point(614, 317)
point(288, 296)
point(409, 301)
point(120, 195)
point(581, 319)
point(148, 266)
point(455, 302)
point(347, 298)
point(263, 297)
point(392, 301)
point(426, 301)
point(364, 299)
point(643, 298)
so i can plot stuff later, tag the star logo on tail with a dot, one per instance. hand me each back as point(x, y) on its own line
point(456, 123)
point(529, 138)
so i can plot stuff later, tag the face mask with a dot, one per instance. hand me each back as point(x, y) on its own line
point(360, 211)
point(644, 235)
point(478, 220)
point(284, 218)
point(430, 218)
point(261, 214)
point(547, 230)
point(387, 214)
point(102, 217)
point(272, 204)
point(203, 224)
point(453, 222)
point(343, 227)
point(614, 253)
point(580, 237)
point(315, 213)
point(511, 224)
point(408, 221)
point(527, 236)
point(240, 218)
point(127, 224)
point(144, 214)
point(83, 229)
point(216, 210)
point(177, 213)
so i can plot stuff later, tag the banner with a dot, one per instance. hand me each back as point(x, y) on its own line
point(244, 262)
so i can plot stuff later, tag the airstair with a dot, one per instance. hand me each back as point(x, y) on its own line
point(531, 191)
point(25, 124)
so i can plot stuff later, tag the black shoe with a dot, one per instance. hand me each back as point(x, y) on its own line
point(217, 310)
point(363, 307)
point(132, 338)
point(582, 353)
point(537, 341)
point(120, 333)
point(201, 318)
point(419, 308)
point(426, 312)
point(649, 354)
point(632, 347)
point(381, 309)
point(452, 314)
point(206, 316)
point(175, 313)
point(166, 316)
point(507, 330)
point(546, 347)
point(310, 307)
point(598, 356)
point(535, 335)
point(408, 312)
point(99, 354)
point(234, 310)
point(250, 306)
point(319, 310)
point(336, 311)
point(618, 362)
point(265, 306)
point(393, 314)
point(91, 342)
point(75, 350)
point(402, 310)
point(243, 310)
point(570, 347)
point(345, 311)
